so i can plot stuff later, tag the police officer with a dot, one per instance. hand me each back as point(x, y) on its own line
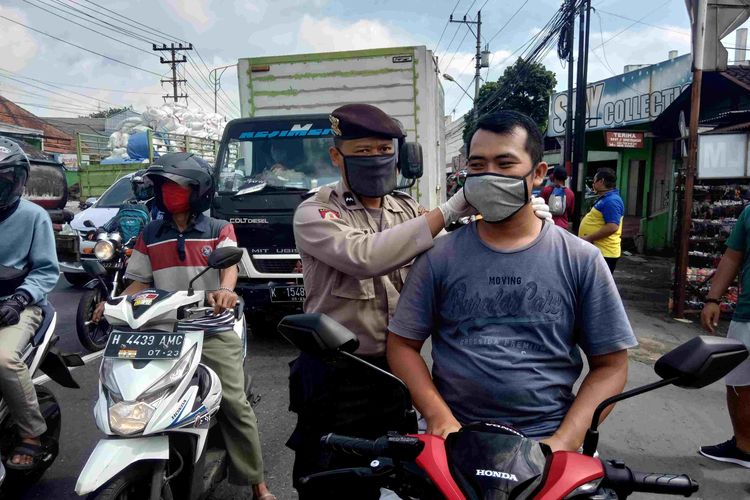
point(357, 240)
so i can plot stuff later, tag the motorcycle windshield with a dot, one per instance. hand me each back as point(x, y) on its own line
point(491, 463)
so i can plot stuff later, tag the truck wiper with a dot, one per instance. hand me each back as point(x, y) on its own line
point(252, 189)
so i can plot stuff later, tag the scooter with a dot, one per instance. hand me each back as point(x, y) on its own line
point(491, 461)
point(157, 402)
point(39, 355)
point(112, 253)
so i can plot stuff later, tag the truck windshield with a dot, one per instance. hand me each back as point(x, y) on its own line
point(299, 163)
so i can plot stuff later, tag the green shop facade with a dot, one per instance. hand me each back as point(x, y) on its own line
point(621, 112)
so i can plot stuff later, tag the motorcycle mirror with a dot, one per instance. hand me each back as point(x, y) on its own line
point(410, 160)
point(317, 334)
point(697, 363)
point(93, 267)
point(701, 361)
point(225, 257)
point(88, 223)
point(90, 201)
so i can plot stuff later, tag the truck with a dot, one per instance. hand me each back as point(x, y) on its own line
point(276, 155)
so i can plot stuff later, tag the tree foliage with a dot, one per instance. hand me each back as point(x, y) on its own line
point(106, 113)
point(524, 87)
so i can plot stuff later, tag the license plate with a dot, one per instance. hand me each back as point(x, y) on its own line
point(144, 345)
point(288, 293)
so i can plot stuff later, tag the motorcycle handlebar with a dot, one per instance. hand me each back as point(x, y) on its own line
point(393, 446)
point(622, 478)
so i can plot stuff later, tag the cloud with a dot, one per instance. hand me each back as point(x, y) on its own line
point(198, 13)
point(330, 34)
point(17, 45)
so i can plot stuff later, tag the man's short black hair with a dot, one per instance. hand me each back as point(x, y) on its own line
point(503, 123)
point(560, 174)
point(608, 176)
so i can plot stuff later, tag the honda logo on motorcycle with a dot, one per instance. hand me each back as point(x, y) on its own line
point(497, 474)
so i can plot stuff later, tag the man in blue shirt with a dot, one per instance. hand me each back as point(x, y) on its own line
point(602, 226)
point(507, 326)
point(28, 272)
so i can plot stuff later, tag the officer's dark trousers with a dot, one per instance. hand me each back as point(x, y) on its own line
point(344, 398)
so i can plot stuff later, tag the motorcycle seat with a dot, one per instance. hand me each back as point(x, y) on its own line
point(48, 313)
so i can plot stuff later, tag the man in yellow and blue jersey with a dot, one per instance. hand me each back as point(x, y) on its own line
point(602, 226)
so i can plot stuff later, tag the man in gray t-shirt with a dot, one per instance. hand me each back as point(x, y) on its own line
point(508, 304)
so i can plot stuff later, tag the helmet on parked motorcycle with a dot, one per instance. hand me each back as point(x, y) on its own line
point(143, 187)
point(186, 169)
point(14, 172)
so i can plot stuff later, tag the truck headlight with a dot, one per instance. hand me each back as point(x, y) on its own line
point(104, 250)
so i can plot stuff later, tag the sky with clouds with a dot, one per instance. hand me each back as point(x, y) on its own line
point(225, 30)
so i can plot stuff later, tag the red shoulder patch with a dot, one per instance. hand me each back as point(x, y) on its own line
point(328, 214)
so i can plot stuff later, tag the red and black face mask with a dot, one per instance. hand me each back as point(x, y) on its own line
point(176, 198)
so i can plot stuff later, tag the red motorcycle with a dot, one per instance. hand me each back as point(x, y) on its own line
point(491, 461)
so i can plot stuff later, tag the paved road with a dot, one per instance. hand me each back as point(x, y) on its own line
point(656, 432)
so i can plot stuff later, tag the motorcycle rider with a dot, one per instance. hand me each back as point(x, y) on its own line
point(28, 272)
point(143, 199)
point(357, 240)
point(167, 255)
point(506, 330)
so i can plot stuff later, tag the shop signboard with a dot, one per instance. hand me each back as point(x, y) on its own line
point(722, 156)
point(623, 139)
point(635, 97)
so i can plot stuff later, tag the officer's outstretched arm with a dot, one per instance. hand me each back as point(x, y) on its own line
point(353, 251)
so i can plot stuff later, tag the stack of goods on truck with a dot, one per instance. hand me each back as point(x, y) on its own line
point(130, 142)
point(717, 206)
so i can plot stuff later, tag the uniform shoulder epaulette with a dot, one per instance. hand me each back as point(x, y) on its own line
point(403, 194)
point(324, 194)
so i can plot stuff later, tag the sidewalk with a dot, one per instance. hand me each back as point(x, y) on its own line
point(645, 285)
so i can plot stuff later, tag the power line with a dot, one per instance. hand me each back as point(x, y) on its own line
point(208, 70)
point(79, 47)
point(15, 90)
point(445, 28)
point(508, 21)
point(683, 33)
point(86, 27)
point(207, 82)
point(630, 26)
point(79, 101)
point(144, 26)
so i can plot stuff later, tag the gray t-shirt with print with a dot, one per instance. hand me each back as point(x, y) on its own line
point(506, 326)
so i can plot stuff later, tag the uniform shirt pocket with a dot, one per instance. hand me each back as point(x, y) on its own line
point(348, 287)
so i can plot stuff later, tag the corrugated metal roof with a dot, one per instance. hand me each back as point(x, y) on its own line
point(83, 125)
point(55, 140)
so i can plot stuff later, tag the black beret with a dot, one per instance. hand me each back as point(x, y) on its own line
point(354, 121)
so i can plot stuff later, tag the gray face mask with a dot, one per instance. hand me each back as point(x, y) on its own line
point(371, 176)
point(497, 197)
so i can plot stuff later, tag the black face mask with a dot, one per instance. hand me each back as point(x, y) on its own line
point(371, 176)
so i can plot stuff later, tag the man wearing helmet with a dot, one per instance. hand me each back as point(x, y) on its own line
point(167, 255)
point(28, 272)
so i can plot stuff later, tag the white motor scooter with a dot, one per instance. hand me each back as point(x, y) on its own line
point(39, 355)
point(156, 400)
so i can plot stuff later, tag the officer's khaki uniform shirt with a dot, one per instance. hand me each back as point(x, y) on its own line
point(353, 269)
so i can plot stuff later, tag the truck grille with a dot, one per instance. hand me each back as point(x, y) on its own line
point(280, 266)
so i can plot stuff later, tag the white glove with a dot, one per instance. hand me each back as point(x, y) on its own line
point(457, 207)
point(541, 209)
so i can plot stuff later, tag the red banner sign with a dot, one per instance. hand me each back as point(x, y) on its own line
point(617, 139)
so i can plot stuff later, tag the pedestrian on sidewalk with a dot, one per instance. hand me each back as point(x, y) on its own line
point(734, 260)
point(602, 226)
point(560, 198)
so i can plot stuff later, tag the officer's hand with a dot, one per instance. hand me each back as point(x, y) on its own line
point(456, 207)
point(710, 317)
point(10, 311)
point(541, 209)
point(96, 316)
point(442, 426)
point(221, 300)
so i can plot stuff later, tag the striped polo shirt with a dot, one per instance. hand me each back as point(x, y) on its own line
point(169, 259)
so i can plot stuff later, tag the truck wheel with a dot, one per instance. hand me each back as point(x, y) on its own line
point(78, 280)
point(134, 483)
point(92, 337)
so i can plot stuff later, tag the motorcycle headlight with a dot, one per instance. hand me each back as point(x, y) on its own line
point(131, 417)
point(107, 377)
point(173, 376)
point(104, 250)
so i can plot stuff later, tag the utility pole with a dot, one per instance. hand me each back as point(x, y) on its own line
point(579, 144)
point(173, 62)
point(214, 76)
point(479, 63)
point(568, 149)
